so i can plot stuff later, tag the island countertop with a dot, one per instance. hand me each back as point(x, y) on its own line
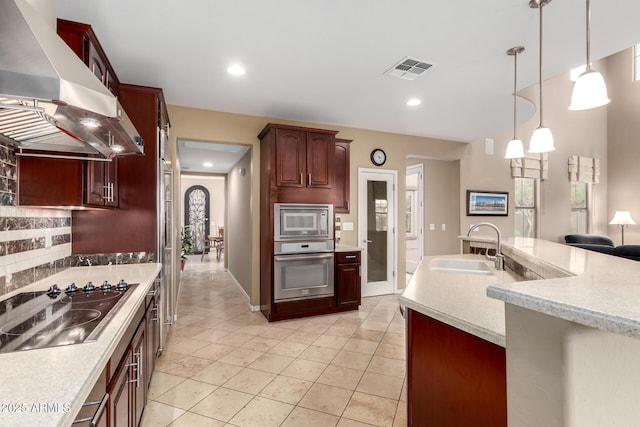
point(47, 387)
point(459, 299)
point(598, 290)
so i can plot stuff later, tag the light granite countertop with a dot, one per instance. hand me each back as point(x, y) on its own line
point(598, 290)
point(62, 377)
point(459, 299)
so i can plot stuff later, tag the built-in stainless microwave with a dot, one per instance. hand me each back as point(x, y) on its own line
point(302, 221)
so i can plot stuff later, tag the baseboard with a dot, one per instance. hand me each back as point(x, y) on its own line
point(243, 293)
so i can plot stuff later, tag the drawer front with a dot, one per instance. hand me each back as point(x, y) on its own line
point(347, 257)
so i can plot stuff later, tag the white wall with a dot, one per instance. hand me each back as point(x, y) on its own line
point(216, 187)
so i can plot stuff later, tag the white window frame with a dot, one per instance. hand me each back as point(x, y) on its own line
point(534, 208)
point(586, 209)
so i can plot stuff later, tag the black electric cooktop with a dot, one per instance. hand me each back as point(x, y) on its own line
point(57, 317)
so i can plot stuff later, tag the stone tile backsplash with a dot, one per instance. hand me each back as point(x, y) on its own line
point(25, 256)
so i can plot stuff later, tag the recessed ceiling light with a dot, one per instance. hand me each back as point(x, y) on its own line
point(207, 164)
point(413, 102)
point(236, 70)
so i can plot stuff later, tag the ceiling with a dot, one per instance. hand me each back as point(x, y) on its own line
point(324, 61)
point(209, 157)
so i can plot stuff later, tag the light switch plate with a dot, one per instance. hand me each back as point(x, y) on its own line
point(432, 227)
point(444, 227)
point(347, 226)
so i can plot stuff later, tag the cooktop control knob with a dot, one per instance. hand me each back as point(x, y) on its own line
point(122, 285)
point(105, 286)
point(71, 288)
point(89, 287)
point(53, 291)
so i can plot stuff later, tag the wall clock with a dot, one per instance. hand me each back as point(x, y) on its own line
point(378, 157)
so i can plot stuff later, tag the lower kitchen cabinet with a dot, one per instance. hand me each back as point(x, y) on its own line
point(120, 394)
point(348, 279)
point(128, 373)
point(453, 378)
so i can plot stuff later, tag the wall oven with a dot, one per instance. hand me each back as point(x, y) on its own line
point(303, 269)
point(302, 221)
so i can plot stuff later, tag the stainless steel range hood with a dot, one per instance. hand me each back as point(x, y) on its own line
point(49, 100)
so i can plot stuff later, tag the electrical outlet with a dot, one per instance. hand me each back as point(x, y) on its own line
point(432, 227)
point(47, 239)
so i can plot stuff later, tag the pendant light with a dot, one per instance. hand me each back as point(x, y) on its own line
point(515, 150)
point(542, 139)
point(589, 91)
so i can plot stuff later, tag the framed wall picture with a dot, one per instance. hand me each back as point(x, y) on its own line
point(487, 203)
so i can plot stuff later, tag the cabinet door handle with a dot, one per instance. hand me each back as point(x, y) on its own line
point(309, 180)
point(301, 182)
point(156, 318)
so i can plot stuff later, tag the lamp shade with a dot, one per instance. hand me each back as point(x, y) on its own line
point(541, 141)
point(589, 91)
point(622, 218)
point(515, 149)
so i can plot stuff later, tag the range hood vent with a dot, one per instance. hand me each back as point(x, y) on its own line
point(49, 100)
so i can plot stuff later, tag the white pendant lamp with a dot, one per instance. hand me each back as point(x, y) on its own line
point(542, 139)
point(515, 149)
point(589, 91)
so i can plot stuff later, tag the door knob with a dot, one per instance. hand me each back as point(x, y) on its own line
point(367, 241)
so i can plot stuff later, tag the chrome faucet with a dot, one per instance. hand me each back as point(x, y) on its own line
point(498, 259)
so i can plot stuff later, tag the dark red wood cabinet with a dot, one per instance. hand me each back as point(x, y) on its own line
point(347, 279)
point(304, 158)
point(453, 378)
point(50, 182)
point(83, 41)
point(342, 181)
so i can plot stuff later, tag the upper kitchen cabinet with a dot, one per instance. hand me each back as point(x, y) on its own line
point(342, 181)
point(101, 186)
point(83, 41)
point(301, 157)
point(132, 227)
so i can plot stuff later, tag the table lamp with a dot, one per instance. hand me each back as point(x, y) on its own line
point(622, 218)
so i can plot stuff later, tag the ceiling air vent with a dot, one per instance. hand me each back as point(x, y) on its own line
point(408, 68)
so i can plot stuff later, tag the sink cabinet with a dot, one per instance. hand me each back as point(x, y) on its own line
point(453, 378)
point(348, 279)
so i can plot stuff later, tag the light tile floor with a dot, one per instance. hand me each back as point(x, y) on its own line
point(226, 366)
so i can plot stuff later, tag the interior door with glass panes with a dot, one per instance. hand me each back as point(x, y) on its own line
point(376, 230)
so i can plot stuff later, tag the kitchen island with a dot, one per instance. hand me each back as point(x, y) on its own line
point(571, 337)
point(47, 387)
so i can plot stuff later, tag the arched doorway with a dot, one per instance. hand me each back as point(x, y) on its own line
point(196, 213)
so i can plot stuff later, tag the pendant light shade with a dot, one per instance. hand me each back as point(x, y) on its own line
point(515, 149)
point(542, 139)
point(589, 91)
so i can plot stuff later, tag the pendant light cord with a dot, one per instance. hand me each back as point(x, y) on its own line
point(541, 4)
point(515, 85)
point(588, 36)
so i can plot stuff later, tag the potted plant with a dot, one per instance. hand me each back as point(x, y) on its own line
point(186, 238)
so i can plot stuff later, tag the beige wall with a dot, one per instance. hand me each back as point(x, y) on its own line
point(238, 229)
point(582, 133)
point(205, 125)
point(216, 187)
point(624, 145)
point(441, 184)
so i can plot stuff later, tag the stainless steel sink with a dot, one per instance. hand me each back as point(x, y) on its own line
point(464, 266)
